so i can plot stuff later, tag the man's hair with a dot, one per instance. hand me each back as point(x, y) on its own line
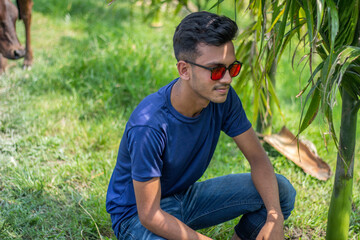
point(201, 27)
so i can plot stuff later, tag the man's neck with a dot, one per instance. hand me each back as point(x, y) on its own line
point(184, 102)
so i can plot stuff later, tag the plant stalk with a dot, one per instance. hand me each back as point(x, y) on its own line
point(341, 199)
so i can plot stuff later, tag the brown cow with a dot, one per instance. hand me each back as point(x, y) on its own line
point(9, 44)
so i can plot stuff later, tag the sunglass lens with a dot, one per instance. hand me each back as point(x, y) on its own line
point(218, 73)
point(235, 69)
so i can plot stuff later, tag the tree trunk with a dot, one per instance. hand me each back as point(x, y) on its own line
point(341, 199)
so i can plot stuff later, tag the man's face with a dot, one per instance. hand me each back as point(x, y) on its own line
point(201, 83)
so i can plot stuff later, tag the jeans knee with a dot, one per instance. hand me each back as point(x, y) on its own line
point(287, 194)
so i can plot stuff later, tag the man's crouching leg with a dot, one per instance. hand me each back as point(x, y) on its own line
point(251, 223)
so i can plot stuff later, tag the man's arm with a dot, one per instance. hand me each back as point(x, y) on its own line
point(152, 217)
point(263, 176)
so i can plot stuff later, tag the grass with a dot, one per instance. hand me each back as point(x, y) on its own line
point(61, 124)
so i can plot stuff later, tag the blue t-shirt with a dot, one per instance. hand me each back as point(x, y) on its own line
point(160, 142)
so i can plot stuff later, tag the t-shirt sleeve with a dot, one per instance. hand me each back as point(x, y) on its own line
point(235, 121)
point(145, 145)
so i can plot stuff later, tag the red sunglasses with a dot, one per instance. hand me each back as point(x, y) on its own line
point(218, 72)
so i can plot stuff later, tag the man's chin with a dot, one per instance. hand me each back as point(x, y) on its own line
point(219, 99)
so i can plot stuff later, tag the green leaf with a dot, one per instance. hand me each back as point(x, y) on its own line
point(256, 104)
point(320, 13)
point(275, 98)
point(265, 102)
point(279, 37)
point(309, 19)
point(295, 15)
point(318, 68)
point(312, 109)
point(289, 35)
point(346, 59)
point(281, 31)
point(178, 8)
point(334, 22)
point(257, 8)
point(276, 20)
point(349, 54)
point(327, 78)
point(327, 109)
point(217, 4)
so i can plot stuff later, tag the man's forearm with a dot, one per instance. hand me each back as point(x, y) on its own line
point(169, 227)
point(265, 182)
point(264, 179)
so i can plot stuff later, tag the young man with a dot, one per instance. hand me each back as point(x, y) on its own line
point(170, 139)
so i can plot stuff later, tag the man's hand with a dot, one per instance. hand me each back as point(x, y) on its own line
point(273, 228)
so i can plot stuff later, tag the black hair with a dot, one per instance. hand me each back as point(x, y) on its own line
point(201, 27)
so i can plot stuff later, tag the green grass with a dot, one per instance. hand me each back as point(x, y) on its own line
point(61, 124)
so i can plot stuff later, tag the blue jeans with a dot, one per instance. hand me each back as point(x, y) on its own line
point(215, 201)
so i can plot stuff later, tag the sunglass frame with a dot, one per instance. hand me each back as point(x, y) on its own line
point(219, 66)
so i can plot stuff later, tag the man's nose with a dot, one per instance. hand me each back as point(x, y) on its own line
point(226, 78)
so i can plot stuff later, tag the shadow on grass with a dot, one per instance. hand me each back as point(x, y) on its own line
point(272, 152)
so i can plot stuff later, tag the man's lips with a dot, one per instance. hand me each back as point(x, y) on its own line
point(222, 89)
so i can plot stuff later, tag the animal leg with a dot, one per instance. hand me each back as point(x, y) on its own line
point(3, 63)
point(25, 12)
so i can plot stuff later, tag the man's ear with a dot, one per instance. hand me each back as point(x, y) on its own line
point(184, 70)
